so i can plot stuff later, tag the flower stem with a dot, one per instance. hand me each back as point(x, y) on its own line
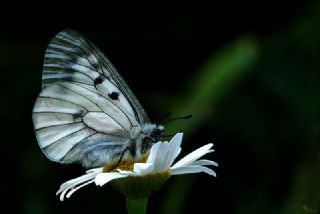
point(137, 205)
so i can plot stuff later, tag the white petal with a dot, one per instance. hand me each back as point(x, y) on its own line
point(77, 183)
point(174, 149)
point(78, 187)
point(192, 169)
point(62, 195)
point(158, 156)
point(104, 178)
point(94, 170)
point(161, 158)
point(154, 152)
point(142, 168)
point(128, 173)
point(162, 154)
point(204, 162)
point(90, 174)
point(193, 156)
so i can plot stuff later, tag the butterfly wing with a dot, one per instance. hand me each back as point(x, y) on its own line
point(85, 112)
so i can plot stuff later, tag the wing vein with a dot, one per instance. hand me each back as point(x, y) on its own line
point(96, 105)
point(56, 98)
point(101, 94)
point(39, 129)
point(64, 137)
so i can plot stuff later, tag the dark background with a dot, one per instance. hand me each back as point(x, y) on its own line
point(247, 71)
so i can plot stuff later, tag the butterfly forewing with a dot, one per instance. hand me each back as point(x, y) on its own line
point(85, 112)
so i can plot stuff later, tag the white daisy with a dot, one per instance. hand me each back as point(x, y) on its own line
point(156, 169)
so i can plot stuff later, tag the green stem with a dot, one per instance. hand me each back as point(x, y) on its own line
point(137, 205)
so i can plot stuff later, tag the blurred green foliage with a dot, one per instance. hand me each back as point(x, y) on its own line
point(221, 73)
point(282, 104)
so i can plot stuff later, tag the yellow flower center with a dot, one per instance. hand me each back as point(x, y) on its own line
point(136, 186)
point(126, 165)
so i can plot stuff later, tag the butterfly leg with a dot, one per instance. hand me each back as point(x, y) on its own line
point(109, 168)
point(131, 148)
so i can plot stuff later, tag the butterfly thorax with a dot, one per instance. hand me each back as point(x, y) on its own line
point(151, 133)
point(139, 147)
point(143, 141)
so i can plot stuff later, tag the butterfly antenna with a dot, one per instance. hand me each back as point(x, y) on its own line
point(165, 117)
point(178, 118)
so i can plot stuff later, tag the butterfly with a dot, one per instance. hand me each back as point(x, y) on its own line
point(86, 113)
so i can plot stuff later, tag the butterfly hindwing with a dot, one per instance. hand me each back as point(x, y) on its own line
point(85, 112)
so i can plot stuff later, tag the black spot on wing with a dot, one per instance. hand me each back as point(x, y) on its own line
point(114, 95)
point(99, 80)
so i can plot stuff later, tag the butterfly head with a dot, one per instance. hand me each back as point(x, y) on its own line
point(157, 133)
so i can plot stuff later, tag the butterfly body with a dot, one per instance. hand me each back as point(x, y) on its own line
point(85, 112)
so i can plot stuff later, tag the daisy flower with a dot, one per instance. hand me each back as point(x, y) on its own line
point(142, 179)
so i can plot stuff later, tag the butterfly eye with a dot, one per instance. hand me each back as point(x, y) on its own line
point(114, 95)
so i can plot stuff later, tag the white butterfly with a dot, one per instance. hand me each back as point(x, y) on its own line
point(85, 112)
